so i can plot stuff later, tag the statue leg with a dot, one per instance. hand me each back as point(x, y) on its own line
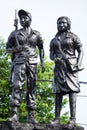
point(30, 94)
point(58, 105)
point(72, 102)
point(17, 82)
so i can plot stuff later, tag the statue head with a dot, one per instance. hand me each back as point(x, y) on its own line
point(63, 21)
point(25, 18)
point(26, 13)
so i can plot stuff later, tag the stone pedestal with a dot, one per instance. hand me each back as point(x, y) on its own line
point(20, 126)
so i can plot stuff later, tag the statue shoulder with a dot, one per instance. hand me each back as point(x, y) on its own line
point(52, 42)
point(38, 36)
point(76, 40)
point(37, 33)
point(73, 35)
point(14, 33)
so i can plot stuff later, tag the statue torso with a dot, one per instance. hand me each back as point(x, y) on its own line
point(28, 42)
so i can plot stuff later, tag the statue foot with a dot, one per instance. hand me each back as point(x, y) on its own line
point(13, 118)
point(56, 121)
point(71, 124)
point(31, 120)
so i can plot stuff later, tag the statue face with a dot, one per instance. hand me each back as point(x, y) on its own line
point(62, 25)
point(25, 21)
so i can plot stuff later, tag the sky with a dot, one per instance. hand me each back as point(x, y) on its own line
point(44, 16)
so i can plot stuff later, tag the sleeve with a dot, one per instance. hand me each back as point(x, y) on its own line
point(77, 42)
point(10, 42)
point(39, 41)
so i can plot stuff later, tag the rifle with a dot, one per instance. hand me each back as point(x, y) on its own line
point(12, 50)
point(16, 20)
point(16, 27)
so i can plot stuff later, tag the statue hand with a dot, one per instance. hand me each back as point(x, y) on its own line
point(79, 66)
point(19, 48)
point(76, 65)
point(58, 59)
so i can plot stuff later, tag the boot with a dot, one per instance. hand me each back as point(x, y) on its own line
point(56, 121)
point(71, 123)
point(14, 115)
point(30, 117)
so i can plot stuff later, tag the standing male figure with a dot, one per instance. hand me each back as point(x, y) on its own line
point(22, 44)
point(63, 48)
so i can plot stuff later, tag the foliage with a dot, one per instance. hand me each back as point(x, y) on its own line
point(44, 94)
point(65, 116)
point(4, 84)
point(22, 111)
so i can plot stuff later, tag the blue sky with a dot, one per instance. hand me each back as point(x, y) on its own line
point(44, 16)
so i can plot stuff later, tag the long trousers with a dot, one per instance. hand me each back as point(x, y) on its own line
point(20, 72)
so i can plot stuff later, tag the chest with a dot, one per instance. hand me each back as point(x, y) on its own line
point(66, 42)
point(27, 39)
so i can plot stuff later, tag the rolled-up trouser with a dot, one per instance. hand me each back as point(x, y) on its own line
point(20, 71)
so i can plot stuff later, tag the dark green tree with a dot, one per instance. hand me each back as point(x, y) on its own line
point(44, 94)
point(4, 83)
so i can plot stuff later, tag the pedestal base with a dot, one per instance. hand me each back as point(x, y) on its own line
point(21, 126)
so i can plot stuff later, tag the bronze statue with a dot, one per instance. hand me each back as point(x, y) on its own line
point(63, 48)
point(22, 45)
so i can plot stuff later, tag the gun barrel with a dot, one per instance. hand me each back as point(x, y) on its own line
point(15, 13)
point(16, 20)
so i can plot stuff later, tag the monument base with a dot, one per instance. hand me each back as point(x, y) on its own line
point(20, 126)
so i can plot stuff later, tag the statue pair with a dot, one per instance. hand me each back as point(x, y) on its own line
point(22, 45)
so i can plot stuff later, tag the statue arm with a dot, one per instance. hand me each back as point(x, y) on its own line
point(10, 50)
point(12, 44)
point(80, 56)
point(51, 50)
point(79, 48)
point(41, 52)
